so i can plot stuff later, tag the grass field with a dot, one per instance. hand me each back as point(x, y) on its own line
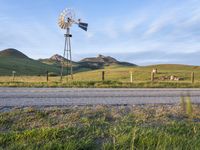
point(101, 127)
point(115, 76)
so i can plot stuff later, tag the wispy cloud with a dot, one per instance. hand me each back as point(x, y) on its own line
point(170, 27)
point(132, 23)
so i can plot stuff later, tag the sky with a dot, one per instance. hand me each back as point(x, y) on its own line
point(143, 32)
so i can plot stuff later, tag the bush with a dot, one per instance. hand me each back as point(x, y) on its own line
point(53, 74)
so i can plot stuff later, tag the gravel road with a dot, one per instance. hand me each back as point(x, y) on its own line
point(11, 97)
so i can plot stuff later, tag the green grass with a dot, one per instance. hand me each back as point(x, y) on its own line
point(100, 127)
point(115, 76)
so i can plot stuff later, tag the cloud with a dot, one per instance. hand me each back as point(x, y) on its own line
point(157, 26)
point(165, 21)
point(132, 23)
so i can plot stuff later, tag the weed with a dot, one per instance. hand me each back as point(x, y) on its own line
point(189, 108)
point(186, 105)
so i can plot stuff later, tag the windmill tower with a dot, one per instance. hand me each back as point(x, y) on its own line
point(66, 21)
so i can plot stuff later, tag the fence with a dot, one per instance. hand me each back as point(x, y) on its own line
point(122, 76)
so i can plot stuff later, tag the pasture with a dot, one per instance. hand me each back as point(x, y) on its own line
point(115, 76)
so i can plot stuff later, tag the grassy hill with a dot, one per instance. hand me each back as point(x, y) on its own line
point(12, 59)
point(141, 74)
point(85, 70)
point(12, 53)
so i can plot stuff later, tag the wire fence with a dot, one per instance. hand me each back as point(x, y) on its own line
point(121, 76)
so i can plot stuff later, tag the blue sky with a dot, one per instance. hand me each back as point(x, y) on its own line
point(139, 31)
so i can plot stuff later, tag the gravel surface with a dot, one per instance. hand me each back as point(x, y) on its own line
point(10, 97)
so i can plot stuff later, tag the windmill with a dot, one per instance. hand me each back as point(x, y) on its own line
point(66, 21)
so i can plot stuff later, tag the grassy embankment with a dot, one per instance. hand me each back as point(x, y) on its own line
point(115, 76)
point(101, 127)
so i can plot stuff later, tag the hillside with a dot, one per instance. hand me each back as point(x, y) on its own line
point(12, 59)
point(141, 73)
point(89, 68)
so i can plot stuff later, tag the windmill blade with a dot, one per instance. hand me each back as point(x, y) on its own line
point(83, 25)
point(66, 19)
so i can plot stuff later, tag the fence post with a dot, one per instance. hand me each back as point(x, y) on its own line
point(152, 76)
point(13, 74)
point(103, 75)
point(47, 76)
point(192, 77)
point(131, 77)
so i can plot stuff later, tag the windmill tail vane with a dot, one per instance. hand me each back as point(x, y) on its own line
point(83, 26)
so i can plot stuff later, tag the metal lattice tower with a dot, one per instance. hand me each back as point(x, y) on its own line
point(66, 20)
point(68, 55)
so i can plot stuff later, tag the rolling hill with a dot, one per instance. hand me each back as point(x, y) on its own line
point(141, 73)
point(87, 68)
point(14, 60)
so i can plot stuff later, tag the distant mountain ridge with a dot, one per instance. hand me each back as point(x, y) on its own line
point(92, 62)
point(57, 58)
point(102, 60)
